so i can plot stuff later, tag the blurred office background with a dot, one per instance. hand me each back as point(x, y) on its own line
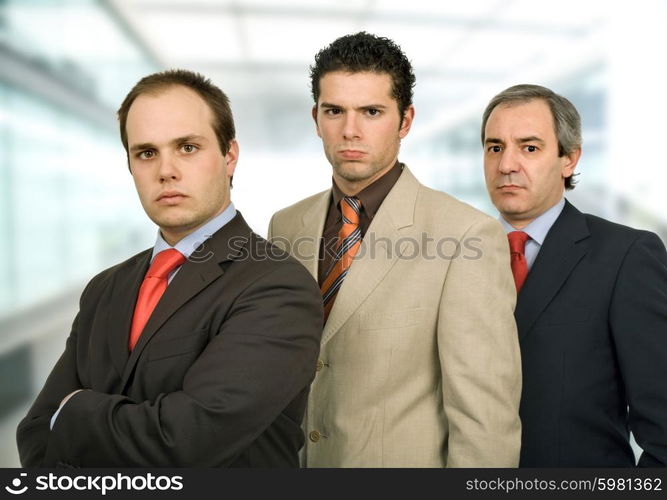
point(67, 203)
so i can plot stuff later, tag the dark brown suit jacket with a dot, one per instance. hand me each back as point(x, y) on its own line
point(219, 377)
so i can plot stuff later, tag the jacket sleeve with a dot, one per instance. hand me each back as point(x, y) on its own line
point(479, 353)
point(263, 356)
point(638, 318)
point(269, 232)
point(33, 434)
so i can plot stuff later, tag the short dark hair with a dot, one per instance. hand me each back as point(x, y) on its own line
point(366, 52)
point(218, 102)
point(567, 122)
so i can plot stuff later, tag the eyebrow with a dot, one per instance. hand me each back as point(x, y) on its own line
point(492, 140)
point(173, 142)
point(521, 140)
point(329, 105)
point(531, 138)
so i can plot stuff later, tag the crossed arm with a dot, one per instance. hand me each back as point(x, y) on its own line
point(263, 356)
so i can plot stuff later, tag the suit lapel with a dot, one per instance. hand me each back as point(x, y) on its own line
point(564, 246)
point(307, 241)
point(121, 309)
point(374, 259)
point(191, 279)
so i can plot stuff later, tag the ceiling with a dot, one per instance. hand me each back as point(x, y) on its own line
point(259, 51)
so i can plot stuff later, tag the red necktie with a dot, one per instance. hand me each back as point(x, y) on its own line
point(349, 237)
point(152, 288)
point(518, 262)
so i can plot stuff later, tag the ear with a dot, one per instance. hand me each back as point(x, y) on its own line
point(232, 157)
point(569, 163)
point(408, 116)
point(313, 112)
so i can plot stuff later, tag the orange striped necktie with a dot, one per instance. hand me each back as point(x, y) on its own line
point(152, 288)
point(349, 238)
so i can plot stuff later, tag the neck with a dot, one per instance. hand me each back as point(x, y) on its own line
point(518, 224)
point(354, 187)
point(174, 235)
point(517, 221)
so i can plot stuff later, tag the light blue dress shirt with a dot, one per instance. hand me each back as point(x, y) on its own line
point(194, 240)
point(537, 230)
point(187, 247)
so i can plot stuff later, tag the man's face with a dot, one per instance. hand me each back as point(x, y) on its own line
point(360, 126)
point(524, 174)
point(180, 173)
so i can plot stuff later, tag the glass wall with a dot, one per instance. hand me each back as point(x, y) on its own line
point(67, 203)
point(68, 208)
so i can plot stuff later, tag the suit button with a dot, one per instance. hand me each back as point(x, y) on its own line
point(314, 436)
point(320, 365)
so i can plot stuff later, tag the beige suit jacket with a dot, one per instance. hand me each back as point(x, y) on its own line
point(419, 362)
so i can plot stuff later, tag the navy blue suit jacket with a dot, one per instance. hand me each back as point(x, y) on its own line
point(592, 321)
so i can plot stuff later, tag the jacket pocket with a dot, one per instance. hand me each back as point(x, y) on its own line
point(161, 349)
point(402, 318)
point(566, 315)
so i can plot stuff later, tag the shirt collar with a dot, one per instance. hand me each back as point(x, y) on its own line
point(539, 227)
point(373, 195)
point(195, 239)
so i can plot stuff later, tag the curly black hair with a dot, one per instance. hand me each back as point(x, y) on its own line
point(366, 52)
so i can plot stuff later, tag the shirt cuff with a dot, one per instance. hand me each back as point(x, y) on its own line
point(53, 418)
point(55, 415)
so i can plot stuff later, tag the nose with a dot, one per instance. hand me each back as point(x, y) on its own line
point(508, 162)
point(351, 127)
point(168, 170)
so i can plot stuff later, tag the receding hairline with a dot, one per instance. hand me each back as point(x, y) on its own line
point(519, 101)
point(163, 89)
point(157, 92)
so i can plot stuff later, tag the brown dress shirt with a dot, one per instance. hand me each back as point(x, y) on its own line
point(371, 198)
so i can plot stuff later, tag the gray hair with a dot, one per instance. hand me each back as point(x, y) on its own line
point(567, 122)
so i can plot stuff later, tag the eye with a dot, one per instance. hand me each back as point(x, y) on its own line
point(332, 111)
point(189, 148)
point(146, 155)
point(494, 149)
point(373, 111)
point(531, 148)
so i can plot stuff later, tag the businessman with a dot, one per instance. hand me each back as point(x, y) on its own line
point(419, 363)
point(592, 296)
point(200, 350)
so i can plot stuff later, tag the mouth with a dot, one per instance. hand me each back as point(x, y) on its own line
point(170, 198)
point(509, 187)
point(351, 154)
